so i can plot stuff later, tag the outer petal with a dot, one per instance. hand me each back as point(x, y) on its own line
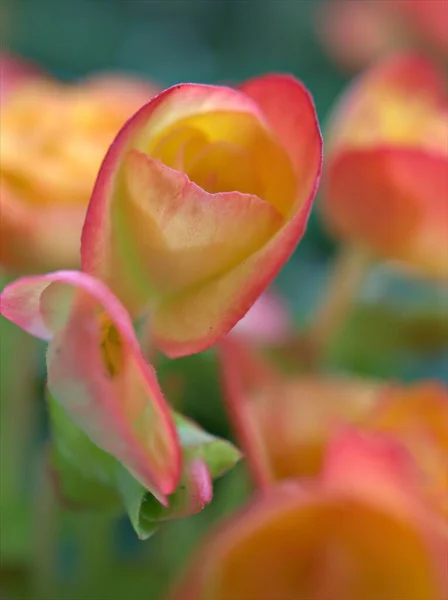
point(221, 304)
point(393, 200)
point(289, 109)
point(198, 316)
point(175, 235)
point(326, 541)
point(169, 106)
point(123, 412)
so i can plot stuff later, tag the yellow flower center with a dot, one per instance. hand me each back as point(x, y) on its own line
point(228, 151)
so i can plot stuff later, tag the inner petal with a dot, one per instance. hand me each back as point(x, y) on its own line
point(179, 146)
point(225, 167)
point(229, 151)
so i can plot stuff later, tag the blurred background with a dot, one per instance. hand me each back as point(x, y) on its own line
point(170, 41)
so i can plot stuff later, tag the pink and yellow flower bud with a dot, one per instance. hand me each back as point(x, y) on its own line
point(97, 372)
point(361, 531)
point(202, 197)
point(386, 181)
point(53, 137)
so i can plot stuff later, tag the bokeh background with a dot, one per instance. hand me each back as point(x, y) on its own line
point(398, 328)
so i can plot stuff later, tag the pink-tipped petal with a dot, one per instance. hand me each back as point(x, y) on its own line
point(176, 235)
point(218, 306)
point(289, 109)
point(132, 241)
point(176, 103)
point(111, 392)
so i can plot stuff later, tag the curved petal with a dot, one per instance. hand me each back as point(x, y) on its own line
point(196, 316)
point(289, 110)
point(394, 201)
point(220, 304)
point(199, 317)
point(175, 235)
point(165, 109)
point(108, 390)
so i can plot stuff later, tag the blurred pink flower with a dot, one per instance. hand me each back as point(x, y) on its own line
point(268, 321)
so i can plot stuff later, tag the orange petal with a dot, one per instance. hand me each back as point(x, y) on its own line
point(176, 235)
point(392, 201)
point(325, 541)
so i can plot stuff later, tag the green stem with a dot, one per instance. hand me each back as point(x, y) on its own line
point(348, 274)
point(46, 513)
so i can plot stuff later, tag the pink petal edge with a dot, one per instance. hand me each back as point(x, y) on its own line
point(20, 302)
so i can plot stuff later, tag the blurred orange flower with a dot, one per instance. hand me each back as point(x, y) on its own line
point(285, 423)
point(417, 416)
point(386, 180)
point(53, 137)
point(361, 531)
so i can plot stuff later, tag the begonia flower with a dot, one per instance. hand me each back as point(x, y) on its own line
point(202, 197)
point(386, 182)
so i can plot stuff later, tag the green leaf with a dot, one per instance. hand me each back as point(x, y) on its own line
point(199, 448)
point(219, 455)
point(84, 475)
point(87, 477)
